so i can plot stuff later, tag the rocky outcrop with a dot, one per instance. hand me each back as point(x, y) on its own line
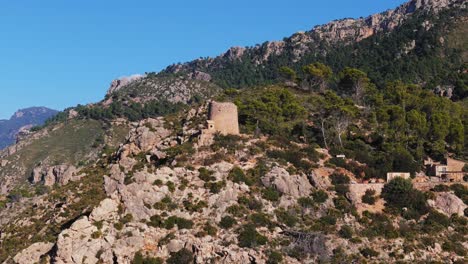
point(75, 245)
point(293, 185)
point(117, 84)
point(448, 204)
point(60, 174)
point(33, 253)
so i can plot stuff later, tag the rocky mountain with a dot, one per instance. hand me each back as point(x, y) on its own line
point(21, 121)
point(153, 174)
point(428, 35)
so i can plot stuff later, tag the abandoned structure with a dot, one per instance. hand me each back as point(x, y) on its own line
point(450, 170)
point(393, 175)
point(223, 119)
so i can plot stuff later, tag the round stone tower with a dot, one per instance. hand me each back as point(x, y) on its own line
point(224, 116)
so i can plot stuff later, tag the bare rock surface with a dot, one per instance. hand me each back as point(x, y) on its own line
point(33, 253)
point(448, 204)
point(293, 185)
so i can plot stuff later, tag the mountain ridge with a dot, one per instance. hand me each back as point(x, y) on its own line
point(22, 119)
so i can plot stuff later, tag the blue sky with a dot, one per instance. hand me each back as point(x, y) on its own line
point(59, 53)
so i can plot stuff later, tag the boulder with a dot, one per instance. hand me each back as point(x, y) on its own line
point(76, 244)
point(293, 185)
point(60, 174)
point(448, 204)
point(106, 210)
point(33, 253)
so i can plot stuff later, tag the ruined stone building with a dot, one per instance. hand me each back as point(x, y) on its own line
point(450, 170)
point(223, 119)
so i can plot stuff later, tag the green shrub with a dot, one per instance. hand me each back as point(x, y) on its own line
point(379, 225)
point(260, 219)
point(165, 240)
point(441, 188)
point(171, 186)
point(270, 194)
point(369, 252)
point(96, 235)
point(237, 210)
point(249, 237)
point(156, 221)
point(456, 247)
point(341, 189)
point(181, 223)
point(342, 204)
point(460, 191)
point(230, 142)
point(399, 194)
point(346, 232)
point(227, 222)
point(285, 217)
point(320, 196)
point(210, 229)
point(274, 257)
point(206, 175)
point(237, 175)
point(338, 178)
point(215, 187)
point(369, 197)
point(126, 219)
point(119, 226)
point(328, 220)
point(305, 202)
point(251, 202)
point(183, 256)
point(140, 259)
point(435, 222)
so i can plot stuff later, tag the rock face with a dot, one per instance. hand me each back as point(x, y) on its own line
point(33, 253)
point(448, 204)
point(117, 84)
point(344, 30)
point(75, 245)
point(60, 174)
point(174, 89)
point(293, 185)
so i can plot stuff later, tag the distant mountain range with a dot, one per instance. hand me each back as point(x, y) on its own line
point(22, 119)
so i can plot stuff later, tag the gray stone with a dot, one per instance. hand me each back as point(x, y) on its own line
point(293, 185)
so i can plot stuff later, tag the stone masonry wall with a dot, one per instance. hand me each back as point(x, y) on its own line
point(225, 117)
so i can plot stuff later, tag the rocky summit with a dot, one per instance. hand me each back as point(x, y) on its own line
point(21, 122)
point(344, 144)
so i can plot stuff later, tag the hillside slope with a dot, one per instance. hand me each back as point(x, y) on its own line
point(138, 178)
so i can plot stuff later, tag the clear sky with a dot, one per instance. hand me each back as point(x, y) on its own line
point(58, 53)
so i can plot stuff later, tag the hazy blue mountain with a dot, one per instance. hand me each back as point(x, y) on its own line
point(23, 118)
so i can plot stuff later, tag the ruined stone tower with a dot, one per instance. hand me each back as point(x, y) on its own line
point(224, 116)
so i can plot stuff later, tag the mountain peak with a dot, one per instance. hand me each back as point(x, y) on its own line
point(20, 120)
point(31, 111)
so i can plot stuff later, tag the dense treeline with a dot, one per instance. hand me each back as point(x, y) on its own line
point(130, 110)
point(393, 129)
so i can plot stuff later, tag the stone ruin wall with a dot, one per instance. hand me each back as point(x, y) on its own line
point(225, 117)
